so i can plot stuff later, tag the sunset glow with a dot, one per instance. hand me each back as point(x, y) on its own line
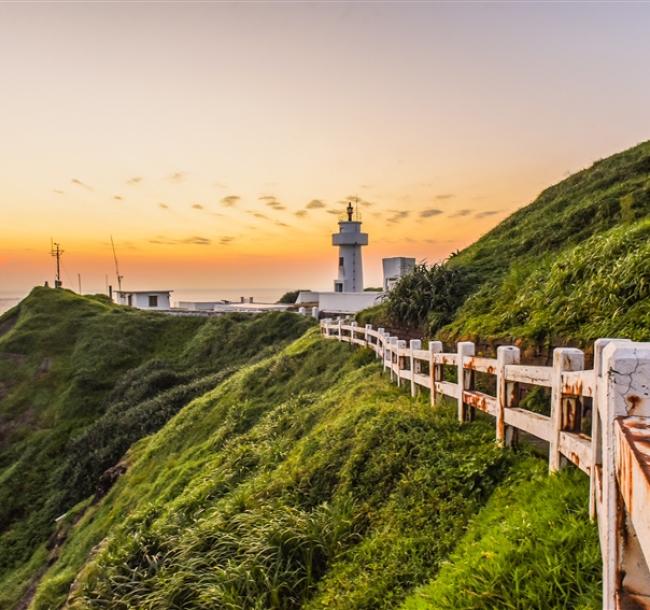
point(217, 143)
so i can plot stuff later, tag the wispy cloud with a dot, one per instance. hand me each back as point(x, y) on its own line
point(301, 213)
point(58, 191)
point(134, 181)
point(281, 224)
point(118, 198)
point(315, 204)
point(258, 215)
point(486, 213)
point(177, 177)
point(444, 196)
point(197, 206)
point(224, 241)
point(81, 184)
point(195, 240)
point(163, 206)
point(459, 213)
point(398, 216)
point(430, 212)
point(267, 198)
point(230, 201)
point(335, 212)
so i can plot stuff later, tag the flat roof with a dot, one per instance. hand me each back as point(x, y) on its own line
point(143, 291)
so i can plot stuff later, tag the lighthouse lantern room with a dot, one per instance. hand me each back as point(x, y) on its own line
point(349, 239)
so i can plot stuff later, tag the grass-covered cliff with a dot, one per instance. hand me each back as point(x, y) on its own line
point(308, 480)
point(572, 266)
point(81, 380)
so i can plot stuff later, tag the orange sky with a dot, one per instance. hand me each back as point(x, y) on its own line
point(198, 134)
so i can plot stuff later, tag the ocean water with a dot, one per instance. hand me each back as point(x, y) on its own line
point(260, 295)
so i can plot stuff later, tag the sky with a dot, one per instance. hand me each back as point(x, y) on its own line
point(217, 143)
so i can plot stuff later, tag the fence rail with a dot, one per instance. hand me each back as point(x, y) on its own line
point(599, 421)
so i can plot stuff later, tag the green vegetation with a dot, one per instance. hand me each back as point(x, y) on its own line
point(531, 548)
point(505, 272)
point(80, 381)
point(306, 480)
point(289, 298)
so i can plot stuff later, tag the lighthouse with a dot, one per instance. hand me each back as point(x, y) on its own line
point(349, 239)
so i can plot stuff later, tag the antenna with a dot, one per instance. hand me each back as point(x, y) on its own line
point(117, 268)
point(55, 250)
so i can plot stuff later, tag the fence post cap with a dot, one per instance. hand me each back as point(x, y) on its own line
point(415, 344)
point(435, 347)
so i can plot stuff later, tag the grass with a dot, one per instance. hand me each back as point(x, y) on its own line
point(549, 274)
point(81, 380)
point(531, 547)
point(306, 480)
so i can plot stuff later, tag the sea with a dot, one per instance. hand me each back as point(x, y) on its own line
point(260, 295)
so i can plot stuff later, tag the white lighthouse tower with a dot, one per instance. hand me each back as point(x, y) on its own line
point(349, 239)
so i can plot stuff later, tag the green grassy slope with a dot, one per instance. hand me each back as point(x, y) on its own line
point(80, 380)
point(568, 268)
point(306, 480)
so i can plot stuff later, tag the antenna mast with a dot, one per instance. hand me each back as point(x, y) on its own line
point(55, 250)
point(117, 268)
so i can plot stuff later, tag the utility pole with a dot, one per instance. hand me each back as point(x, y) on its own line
point(79, 278)
point(56, 251)
point(117, 268)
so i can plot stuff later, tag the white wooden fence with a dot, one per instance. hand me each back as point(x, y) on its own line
point(616, 455)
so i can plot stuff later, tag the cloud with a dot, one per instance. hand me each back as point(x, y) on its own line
point(258, 215)
point(163, 206)
point(463, 212)
point(315, 204)
point(486, 213)
point(197, 206)
point(224, 241)
point(83, 185)
point(58, 191)
point(177, 177)
point(365, 203)
point(134, 181)
point(301, 213)
point(430, 212)
point(335, 212)
point(118, 198)
point(281, 224)
point(267, 198)
point(444, 196)
point(230, 200)
point(398, 216)
point(195, 240)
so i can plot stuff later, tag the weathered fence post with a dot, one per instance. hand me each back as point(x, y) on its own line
point(414, 344)
point(401, 344)
point(465, 348)
point(624, 403)
point(506, 354)
point(564, 359)
point(340, 333)
point(366, 336)
point(435, 370)
point(353, 332)
point(392, 342)
point(382, 339)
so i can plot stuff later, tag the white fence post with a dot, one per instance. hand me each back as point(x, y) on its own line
point(506, 354)
point(415, 364)
point(435, 370)
point(392, 342)
point(624, 403)
point(366, 336)
point(340, 333)
point(401, 344)
point(353, 332)
point(465, 348)
point(564, 359)
point(382, 338)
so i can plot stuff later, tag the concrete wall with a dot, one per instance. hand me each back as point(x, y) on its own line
point(394, 268)
point(347, 302)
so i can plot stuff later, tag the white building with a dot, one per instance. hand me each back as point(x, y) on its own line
point(349, 239)
point(394, 268)
point(144, 299)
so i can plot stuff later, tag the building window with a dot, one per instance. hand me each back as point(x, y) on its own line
point(338, 287)
point(340, 261)
point(153, 300)
point(129, 300)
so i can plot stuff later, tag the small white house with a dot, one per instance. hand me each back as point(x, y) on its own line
point(394, 268)
point(144, 299)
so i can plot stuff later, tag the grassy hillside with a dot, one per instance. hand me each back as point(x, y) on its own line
point(82, 379)
point(307, 480)
point(569, 267)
